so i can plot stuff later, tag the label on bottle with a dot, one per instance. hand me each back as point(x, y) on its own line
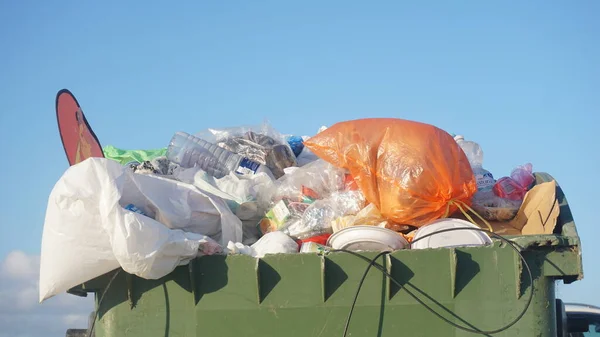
point(134, 209)
point(485, 180)
point(247, 167)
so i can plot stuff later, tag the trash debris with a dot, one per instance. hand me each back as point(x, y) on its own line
point(504, 200)
point(271, 243)
point(312, 247)
point(516, 186)
point(262, 145)
point(159, 165)
point(126, 157)
point(88, 232)
point(485, 179)
point(306, 156)
point(189, 151)
point(304, 202)
point(368, 216)
point(363, 185)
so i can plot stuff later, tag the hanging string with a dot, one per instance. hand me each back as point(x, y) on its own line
point(461, 205)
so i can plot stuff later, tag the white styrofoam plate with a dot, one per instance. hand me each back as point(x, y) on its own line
point(367, 238)
point(458, 238)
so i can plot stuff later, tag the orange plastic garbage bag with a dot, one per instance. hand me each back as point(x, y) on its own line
point(413, 172)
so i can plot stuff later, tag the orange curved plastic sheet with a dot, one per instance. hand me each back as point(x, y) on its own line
point(409, 170)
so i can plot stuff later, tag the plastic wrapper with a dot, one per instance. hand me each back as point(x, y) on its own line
point(412, 172)
point(302, 220)
point(261, 144)
point(504, 201)
point(214, 135)
point(128, 156)
point(494, 208)
point(369, 216)
point(241, 195)
point(306, 156)
point(271, 243)
point(291, 195)
point(296, 143)
point(523, 175)
point(159, 166)
point(516, 186)
point(315, 181)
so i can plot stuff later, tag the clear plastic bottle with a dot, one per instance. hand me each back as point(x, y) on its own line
point(485, 179)
point(190, 151)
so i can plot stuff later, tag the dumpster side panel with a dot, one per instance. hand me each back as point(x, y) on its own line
point(310, 295)
point(136, 307)
point(306, 295)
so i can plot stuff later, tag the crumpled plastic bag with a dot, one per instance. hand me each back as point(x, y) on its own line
point(494, 208)
point(368, 216)
point(159, 166)
point(240, 193)
point(305, 201)
point(318, 177)
point(271, 243)
point(88, 232)
point(413, 172)
point(128, 156)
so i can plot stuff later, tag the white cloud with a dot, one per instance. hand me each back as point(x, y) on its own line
point(20, 313)
point(18, 265)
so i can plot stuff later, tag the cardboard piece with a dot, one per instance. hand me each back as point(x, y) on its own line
point(537, 215)
point(539, 212)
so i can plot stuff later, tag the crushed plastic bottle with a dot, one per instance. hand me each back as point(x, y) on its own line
point(485, 179)
point(190, 151)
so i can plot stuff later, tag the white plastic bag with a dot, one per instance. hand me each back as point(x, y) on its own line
point(87, 232)
point(271, 243)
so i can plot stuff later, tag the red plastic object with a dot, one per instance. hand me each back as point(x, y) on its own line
point(508, 188)
point(320, 239)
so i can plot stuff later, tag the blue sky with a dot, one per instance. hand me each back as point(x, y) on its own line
point(520, 78)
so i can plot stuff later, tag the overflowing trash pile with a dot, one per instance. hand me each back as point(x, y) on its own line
point(370, 184)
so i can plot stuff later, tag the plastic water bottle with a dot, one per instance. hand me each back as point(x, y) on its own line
point(485, 179)
point(190, 151)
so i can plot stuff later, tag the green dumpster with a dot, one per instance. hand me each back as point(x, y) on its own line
point(437, 292)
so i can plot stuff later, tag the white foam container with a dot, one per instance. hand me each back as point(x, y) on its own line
point(367, 238)
point(459, 238)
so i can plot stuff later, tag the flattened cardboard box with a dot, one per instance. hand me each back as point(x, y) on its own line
point(537, 215)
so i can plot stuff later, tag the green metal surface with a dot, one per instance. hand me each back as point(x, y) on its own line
point(310, 295)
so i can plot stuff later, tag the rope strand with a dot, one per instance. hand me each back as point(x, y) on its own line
point(460, 204)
